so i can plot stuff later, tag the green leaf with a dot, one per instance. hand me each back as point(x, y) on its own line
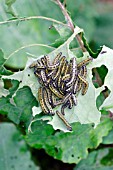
point(97, 160)
point(68, 147)
point(103, 32)
point(19, 109)
point(24, 101)
point(109, 138)
point(64, 33)
point(28, 32)
point(14, 87)
point(83, 15)
point(86, 45)
point(76, 114)
point(3, 70)
point(9, 4)
point(14, 153)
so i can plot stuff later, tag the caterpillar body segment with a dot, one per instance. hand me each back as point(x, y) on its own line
point(43, 76)
point(58, 102)
point(74, 99)
point(70, 103)
point(43, 61)
point(85, 88)
point(63, 107)
point(84, 71)
point(59, 81)
point(69, 89)
point(84, 62)
point(49, 96)
point(66, 77)
point(55, 91)
point(64, 120)
point(62, 60)
point(41, 101)
point(46, 101)
point(57, 58)
point(64, 65)
point(73, 71)
point(67, 69)
point(85, 84)
point(49, 65)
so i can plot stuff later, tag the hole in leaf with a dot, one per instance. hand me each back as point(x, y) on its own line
point(92, 125)
point(28, 75)
point(99, 74)
point(7, 84)
point(103, 95)
point(72, 155)
point(56, 149)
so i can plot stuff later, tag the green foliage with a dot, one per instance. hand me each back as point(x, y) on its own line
point(90, 115)
point(105, 59)
point(9, 4)
point(97, 160)
point(3, 70)
point(14, 153)
point(69, 147)
point(19, 85)
point(109, 138)
point(19, 109)
point(18, 33)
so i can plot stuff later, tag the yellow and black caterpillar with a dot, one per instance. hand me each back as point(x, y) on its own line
point(60, 81)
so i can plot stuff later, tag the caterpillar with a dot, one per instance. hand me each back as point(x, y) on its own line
point(64, 120)
point(41, 100)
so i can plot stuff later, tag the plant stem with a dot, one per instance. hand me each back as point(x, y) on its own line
point(66, 15)
point(31, 18)
point(70, 24)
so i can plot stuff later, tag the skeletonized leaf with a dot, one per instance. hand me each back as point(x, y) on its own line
point(81, 113)
point(106, 58)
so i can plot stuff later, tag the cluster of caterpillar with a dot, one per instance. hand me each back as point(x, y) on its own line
point(60, 80)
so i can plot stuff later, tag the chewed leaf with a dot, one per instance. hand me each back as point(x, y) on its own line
point(86, 111)
point(82, 112)
point(106, 58)
point(68, 147)
point(26, 78)
point(62, 30)
point(3, 92)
